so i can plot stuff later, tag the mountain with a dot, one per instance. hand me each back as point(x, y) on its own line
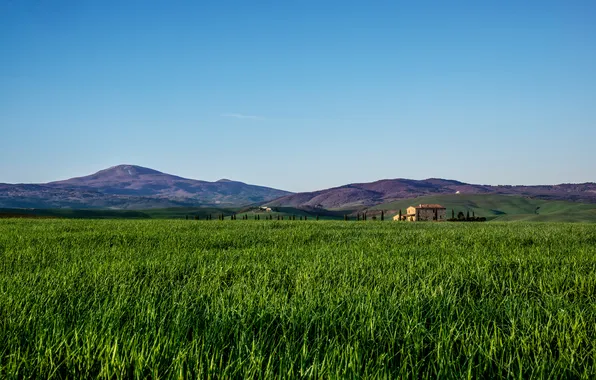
point(42, 196)
point(358, 195)
point(134, 187)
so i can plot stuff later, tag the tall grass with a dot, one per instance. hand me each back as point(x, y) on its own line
point(186, 299)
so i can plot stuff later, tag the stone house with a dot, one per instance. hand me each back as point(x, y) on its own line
point(426, 212)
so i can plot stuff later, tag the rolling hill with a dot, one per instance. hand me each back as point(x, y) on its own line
point(497, 207)
point(358, 195)
point(134, 187)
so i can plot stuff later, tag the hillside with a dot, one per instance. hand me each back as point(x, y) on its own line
point(501, 207)
point(369, 194)
point(134, 187)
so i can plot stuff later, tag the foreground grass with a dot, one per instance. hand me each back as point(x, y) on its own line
point(181, 299)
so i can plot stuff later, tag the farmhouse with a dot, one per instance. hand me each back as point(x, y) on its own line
point(425, 212)
point(265, 208)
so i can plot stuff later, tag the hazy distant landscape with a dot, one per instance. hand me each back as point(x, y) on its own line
point(153, 194)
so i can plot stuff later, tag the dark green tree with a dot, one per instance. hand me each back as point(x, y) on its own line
point(382, 216)
point(400, 214)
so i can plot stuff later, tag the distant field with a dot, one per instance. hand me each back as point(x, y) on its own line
point(502, 207)
point(186, 299)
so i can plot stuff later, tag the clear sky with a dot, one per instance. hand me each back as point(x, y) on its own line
point(300, 95)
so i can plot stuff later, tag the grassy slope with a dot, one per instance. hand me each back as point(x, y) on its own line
point(165, 213)
point(493, 207)
point(191, 212)
point(502, 207)
point(72, 213)
point(177, 299)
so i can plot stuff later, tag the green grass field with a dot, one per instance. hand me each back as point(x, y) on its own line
point(243, 299)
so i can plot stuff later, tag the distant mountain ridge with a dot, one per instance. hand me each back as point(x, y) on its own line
point(373, 193)
point(137, 187)
point(134, 187)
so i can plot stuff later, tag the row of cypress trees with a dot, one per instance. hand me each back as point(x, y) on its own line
point(256, 217)
point(359, 216)
point(364, 216)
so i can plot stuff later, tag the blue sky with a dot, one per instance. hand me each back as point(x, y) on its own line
point(300, 95)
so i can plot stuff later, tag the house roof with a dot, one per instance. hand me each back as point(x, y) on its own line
point(430, 206)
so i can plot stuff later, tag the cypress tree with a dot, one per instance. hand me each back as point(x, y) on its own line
point(452, 214)
point(317, 217)
point(468, 215)
point(305, 217)
point(400, 214)
point(382, 216)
